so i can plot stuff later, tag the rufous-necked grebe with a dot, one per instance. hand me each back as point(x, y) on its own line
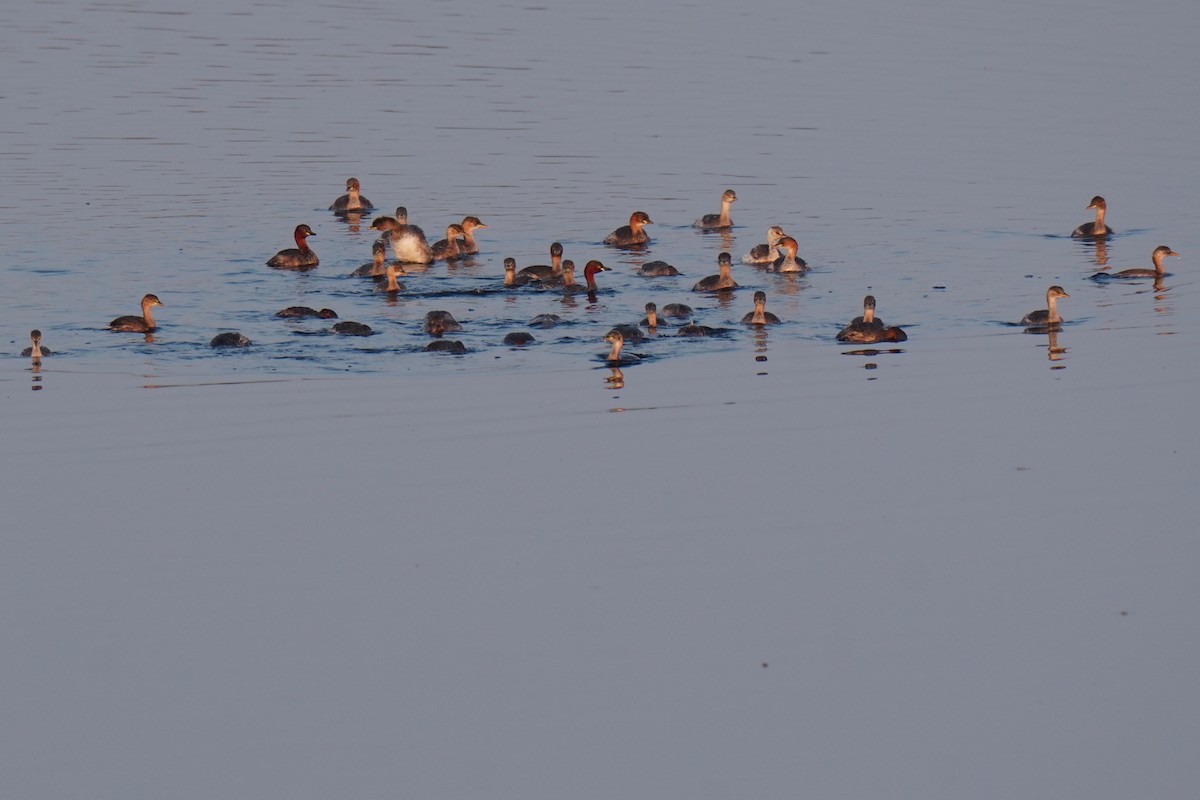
point(303, 312)
point(1160, 252)
point(440, 322)
point(631, 235)
point(352, 201)
point(408, 242)
point(716, 222)
point(787, 261)
point(1049, 315)
point(447, 249)
point(760, 315)
point(388, 282)
point(35, 350)
point(766, 253)
point(589, 275)
point(657, 269)
point(1096, 228)
point(467, 245)
point(720, 282)
point(651, 318)
point(229, 339)
point(541, 272)
point(299, 257)
point(519, 339)
point(677, 310)
point(376, 267)
point(348, 328)
point(615, 357)
point(142, 324)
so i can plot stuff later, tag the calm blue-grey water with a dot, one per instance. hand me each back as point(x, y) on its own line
point(760, 564)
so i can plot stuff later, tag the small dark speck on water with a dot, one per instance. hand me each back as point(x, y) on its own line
point(940, 288)
point(760, 373)
point(870, 365)
point(764, 664)
point(760, 358)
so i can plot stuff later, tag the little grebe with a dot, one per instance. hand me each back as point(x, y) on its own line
point(299, 257)
point(716, 222)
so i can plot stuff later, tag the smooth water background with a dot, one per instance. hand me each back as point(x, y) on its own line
point(328, 567)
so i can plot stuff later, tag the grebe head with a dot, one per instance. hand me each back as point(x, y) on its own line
point(327, 313)
point(790, 245)
point(1161, 252)
point(352, 185)
point(640, 218)
point(402, 215)
point(774, 234)
point(724, 260)
point(1097, 202)
point(510, 265)
point(303, 231)
point(383, 224)
point(151, 300)
point(760, 298)
point(472, 223)
point(1055, 292)
point(729, 196)
point(592, 267)
point(869, 302)
point(556, 250)
point(454, 231)
point(651, 307)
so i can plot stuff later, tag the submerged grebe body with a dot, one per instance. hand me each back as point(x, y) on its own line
point(1160, 252)
point(788, 262)
point(440, 322)
point(35, 350)
point(693, 329)
point(302, 312)
point(720, 282)
point(299, 257)
point(631, 333)
point(408, 242)
point(229, 339)
point(677, 310)
point(765, 253)
point(760, 315)
point(657, 269)
point(631, 235)
point(1047, 316)
point(615, 357)
point(376, 267)
point(540, 272)
point(452, 346)
point(1096, 228)
point(545, 321)
point(352, 201)
point(467, 245)
point(142, 324)
point(716, 222)
point(349, 328)
point(447, 249)
point(519, 339)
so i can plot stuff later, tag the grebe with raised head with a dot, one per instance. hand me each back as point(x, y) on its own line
point(541, 272)
point(1160, 252)
point(35, 350)
point(615, 356)
point(142, 324)
point(869, 330)
point(766, 253)
point(447, 249)
point(760, 315)
point(651, 318)
point(720, 282)
point(1090, 230)
point(376, 267)
point(352, 201)
point(388, 283)
point(1047, 316)
point(631, 235)
point(299, 257)
point(467, 245)
point(716, 222)
point(787, 261)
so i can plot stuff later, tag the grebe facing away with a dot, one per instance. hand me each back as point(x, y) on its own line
point(1045, 317)
point(716, 222)
point(657, 269)
point(760, 315)
point(142, 324)
point(722, 280)
point(439, 322)
point(765, 253)
point(1097, 228)
point(36, 350)
point(352, 201)
point(299, 257)
point(631, 235)
point(1160, 252)
point(302, 312)
point(229, 339)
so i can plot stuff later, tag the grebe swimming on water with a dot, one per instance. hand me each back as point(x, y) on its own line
point(765, 253)
point(352, 201)
point(869, 330)
point(615, 357)
point(301, 312)
point(229, 339)
point(467, 245)
point(631, 235)
point(1160, 252)
point(657, 269)
point(788, 262)
point(35, 350)
point(408, 241)
point(376, 267)
point(1045, 317)
point(1097, 228)
point(716, 222)
point(299, 257)
point(722, 281)
point(541, 272)
point(142, 324)
point(760, 315)
point(447, 249)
